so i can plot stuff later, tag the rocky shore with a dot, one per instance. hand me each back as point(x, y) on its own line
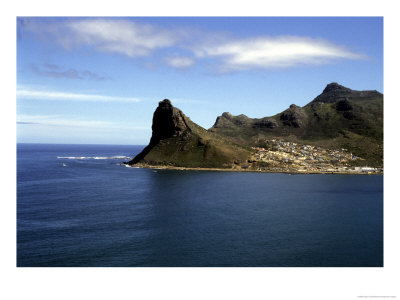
point(238, 169)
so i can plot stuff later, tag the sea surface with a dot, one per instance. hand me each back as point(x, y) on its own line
point(95, 212)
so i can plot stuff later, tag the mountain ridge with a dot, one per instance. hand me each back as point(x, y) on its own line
point(337, 118)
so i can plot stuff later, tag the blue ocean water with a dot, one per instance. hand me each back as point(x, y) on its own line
point(95, 212)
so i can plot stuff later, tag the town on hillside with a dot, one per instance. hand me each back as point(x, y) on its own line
point(282, 156)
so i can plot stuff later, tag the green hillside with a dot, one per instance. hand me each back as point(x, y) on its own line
point(338, 118)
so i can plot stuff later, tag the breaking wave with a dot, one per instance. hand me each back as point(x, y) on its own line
point(94, 157)
point(129, 166)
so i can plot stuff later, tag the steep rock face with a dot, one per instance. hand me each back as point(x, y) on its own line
point(346, 108)
point(344, 105)
point(227, 120)
point(294, 116)
point(334, 87)
point(334, 92)
point(177, 141)
point(265, 123)
point(168, 121)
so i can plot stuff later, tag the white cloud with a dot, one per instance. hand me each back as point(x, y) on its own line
point(137, 39)
point(277, 52)
point(106, 35)
point(55, 71)
point(179, 61)
point(51, 95)
point(59, 120)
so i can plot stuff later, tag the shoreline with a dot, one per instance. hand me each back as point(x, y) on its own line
point(145, 166)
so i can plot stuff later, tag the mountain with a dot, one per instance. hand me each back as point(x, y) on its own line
point(177, 141)
point(338, 118)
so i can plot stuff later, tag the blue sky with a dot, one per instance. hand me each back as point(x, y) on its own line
point(99, 80)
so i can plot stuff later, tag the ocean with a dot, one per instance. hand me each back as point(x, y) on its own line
point(94, 212)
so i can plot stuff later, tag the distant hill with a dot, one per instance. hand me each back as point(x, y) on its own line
point(338, 118)
point(177, 141)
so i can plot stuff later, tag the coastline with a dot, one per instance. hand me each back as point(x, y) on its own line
point(161, 167)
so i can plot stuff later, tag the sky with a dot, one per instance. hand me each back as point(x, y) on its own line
point(99, 80)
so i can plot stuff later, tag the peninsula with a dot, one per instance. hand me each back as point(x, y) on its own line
point(340, 131)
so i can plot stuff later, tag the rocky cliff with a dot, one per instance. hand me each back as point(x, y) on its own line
point(179, 142)
point(168, 121)
point(335, 92)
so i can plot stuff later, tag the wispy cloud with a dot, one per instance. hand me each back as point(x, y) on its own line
point(136, 39)
point(26, 123)
point(274, 52)
point(106, 35)
point(180, 62)
point(59, 120)
point(54, 71)
point(52, 95)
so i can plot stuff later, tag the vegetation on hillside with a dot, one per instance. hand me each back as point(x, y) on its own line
point(338, 118)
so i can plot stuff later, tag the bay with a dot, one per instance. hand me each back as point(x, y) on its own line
point(94, 212)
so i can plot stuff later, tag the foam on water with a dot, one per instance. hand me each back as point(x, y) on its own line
point(94, 157)
point(129, 166)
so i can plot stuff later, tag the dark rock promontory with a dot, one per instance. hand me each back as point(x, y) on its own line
point(177, 141)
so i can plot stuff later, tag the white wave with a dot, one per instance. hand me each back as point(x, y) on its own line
point(73, 157)
point(94, 157)
point(129, 166)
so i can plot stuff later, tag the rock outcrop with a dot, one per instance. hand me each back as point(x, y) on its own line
point(265, 123)
point(335, 92)
point(179, 142)
point(294, 116)
point(344, 105)
point(227, 120)
point(168, 121)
